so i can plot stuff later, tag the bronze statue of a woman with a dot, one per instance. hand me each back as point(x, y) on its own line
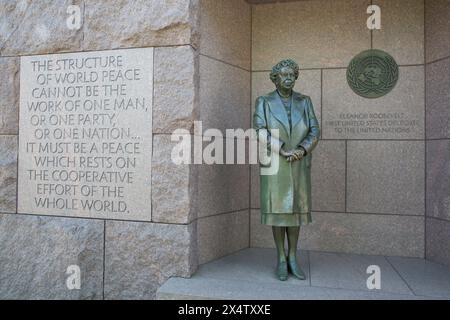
point(286, 195)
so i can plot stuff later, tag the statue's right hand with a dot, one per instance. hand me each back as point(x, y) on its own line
point(285, 153)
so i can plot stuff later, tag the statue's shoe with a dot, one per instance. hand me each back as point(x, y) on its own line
point(282, 271)
point(295, 269)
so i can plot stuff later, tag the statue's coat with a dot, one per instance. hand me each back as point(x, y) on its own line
point(289, 190)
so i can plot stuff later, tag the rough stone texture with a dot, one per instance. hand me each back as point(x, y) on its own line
point(268, 1)
point(438, 99)
point(309, 83)
point(172, 187)
point(386, 177)
point(352, 233)
point(318, 34)
point(124, 23)
point(175, 89)
point(222, 234)
point(35, 252)
point(223, 188)
point(9, 95)
point(34, 27)
point(8, 173)
point(438, 179)
point(402, 30)
point(328, 176)
point(437, 19)
point(406, 98)
point(225, 27)
point(224, 95)
point(224, 104)
point(438, 240)
point(141, 256)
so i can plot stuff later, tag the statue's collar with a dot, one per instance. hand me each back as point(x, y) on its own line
point(274, 96)
point(279, 112)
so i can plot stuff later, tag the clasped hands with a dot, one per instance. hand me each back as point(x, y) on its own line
point(292, 155)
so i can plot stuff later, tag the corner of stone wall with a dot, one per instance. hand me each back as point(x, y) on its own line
point(118, 259)
point(224, 103)
point(437, 70)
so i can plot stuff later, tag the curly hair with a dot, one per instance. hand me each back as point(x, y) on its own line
point(284, 63)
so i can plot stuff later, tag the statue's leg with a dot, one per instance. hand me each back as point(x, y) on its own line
point(282, 269)
point(293, 233)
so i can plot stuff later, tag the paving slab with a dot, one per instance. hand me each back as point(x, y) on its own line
point(424, 277)
point(203, 288)
point(254, 265)
point(349, 271)
point(249, 274)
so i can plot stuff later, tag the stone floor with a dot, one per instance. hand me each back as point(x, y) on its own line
point(249, 274)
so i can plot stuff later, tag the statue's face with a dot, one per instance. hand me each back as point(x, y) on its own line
point(286, 78)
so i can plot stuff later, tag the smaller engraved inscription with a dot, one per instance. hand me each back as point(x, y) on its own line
point(372, 73)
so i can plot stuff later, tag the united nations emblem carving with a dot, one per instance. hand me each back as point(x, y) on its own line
point(372, 73)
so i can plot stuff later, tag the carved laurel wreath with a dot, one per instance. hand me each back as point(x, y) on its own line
point(372, 73)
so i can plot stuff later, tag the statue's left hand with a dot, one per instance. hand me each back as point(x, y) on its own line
point(298, 155)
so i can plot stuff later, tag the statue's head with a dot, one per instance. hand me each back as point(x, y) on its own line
point(284, 74)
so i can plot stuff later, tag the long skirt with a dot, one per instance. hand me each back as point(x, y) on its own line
point(286, 219)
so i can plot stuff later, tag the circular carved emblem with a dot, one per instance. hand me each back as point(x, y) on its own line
point(372, 73)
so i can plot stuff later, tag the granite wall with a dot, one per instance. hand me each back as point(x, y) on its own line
point(438, 130)
point(117, 259)
point(368, 187)
point(224, 194)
